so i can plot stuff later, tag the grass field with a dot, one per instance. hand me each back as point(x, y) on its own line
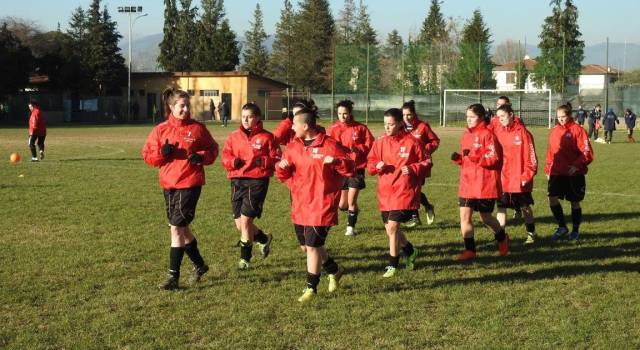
point(84, 242)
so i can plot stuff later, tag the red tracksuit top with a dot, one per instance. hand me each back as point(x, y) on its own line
point(258, 150)
point(37, 123)
point(568, 146)
point(189, 136)
point(494, 123)
point(395, 190)
point(519, 160)
point(283, 133)
point(355, 137)
point(479, 171)
point(423, 132)
point(315, 187)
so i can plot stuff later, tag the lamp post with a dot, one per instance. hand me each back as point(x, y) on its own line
point(130, 10)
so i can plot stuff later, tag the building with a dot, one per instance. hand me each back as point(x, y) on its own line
point(506, 75)
point(593, 78)
point(235, 88)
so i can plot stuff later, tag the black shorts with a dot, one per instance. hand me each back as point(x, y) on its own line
point(397, 215)
point(571, 188)
point(479, 205)
point(356, 181)
point(312, 236)
point(181, 205)
point(248, 195)
point(515, 200)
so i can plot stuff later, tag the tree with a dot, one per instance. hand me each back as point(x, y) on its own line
point(364, 33)
point(508, 51)
point(394, 45)
point(314, 28)
point(474, 68)
point(228, 47)
point(206, 53)
point(391, 62)
point(255, 54)
point(561, 50)
point(15, 62)
point(345, 28)
point(434, 27)
point(185, 31)
point(281, 60)
point(168, 55)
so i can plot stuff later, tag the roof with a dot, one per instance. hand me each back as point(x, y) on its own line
point(211, 74)
point(529, 63)
point(597, 69)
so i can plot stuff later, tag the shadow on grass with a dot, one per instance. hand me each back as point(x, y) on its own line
point(94, 159)
point(586, 217)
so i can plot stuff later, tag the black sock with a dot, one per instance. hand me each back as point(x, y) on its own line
point(312, 281)
point(408, 249)
point(330, 266)
point(175, 259)
point(424, 201)
point(260, 237)
point(530, 227)
point(352, 218)
point(576, 218)
point(394, 261)
point(500, 235)
point(245, 250)
point(193, 253)
point(33, 151)
point(558, 214)
point(470, 244)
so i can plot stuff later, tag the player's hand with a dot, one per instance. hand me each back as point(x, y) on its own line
point(238, 163)
point(167, 149)
point(547, 176)
point(455, 156)
point(405, 170)
point(380, 165)
point(195, 158)
point(572, 170)
point(329, 160)
point(465, 152)
point(283, 164)
point(523, 183)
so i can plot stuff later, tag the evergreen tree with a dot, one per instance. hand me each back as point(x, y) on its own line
point(168, 55)
point(345, 25)
point(364, 33)
point(434, 27)
point(281, 59)
point(474, 68)
point(15, 63)
point(391, 63)
point(228, 47)
point(394, 45)
point(77, 74)
point(206, 53)
point(185, 32)
point(255, 54)
point(314, 30)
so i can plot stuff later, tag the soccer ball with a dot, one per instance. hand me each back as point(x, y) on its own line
point(14, 158)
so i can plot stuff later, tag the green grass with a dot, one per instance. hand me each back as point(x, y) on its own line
point(84, 243)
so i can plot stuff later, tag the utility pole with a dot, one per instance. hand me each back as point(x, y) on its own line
point(130, 10)
point(606, 80)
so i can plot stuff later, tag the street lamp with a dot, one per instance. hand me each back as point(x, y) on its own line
point(130, 10)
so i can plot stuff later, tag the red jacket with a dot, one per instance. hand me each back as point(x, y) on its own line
point(494, 123)
point(37, 123)
point(283, 133)
point(395, 190)
point(315, 187)
point(519, 160)
point(479, 171)
point(355, 137)
point(568, 146)
point(258, 150)
point(423, 132)
point(189, 136)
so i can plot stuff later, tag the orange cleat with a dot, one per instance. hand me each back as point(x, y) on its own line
point(503, 247)
point(467, 255)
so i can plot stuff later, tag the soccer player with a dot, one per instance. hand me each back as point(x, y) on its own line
point(581, 115)
point(401, 163)
point(249, 156)
point(284, 133)
point(37, 131)
point(594, 120)
point(568, 155)
point(357, 138)
point(495, 120)
point(519, 166)
point(421, 130)
point(314, 166)
point(180, 147)
point(609, 125)
point(479, 186)
point(630, 121)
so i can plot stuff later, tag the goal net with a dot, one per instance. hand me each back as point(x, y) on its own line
point(534, 107)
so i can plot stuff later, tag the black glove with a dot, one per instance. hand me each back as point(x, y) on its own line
point(238, 163)
point(465, 152)
point(195, 158)
point(455, 156)
point(167, 149)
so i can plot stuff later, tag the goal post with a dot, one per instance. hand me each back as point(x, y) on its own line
point(533, 106)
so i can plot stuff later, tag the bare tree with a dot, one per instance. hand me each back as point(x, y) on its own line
point(508, 51)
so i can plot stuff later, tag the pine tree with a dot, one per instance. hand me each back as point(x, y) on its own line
point(391, 62)
point(113, 74)
point(434, 27)
point(15, 62)
point(281, 59)
point(168, 57)
point(255, 54)
point(474, 68)
point(393, 46)
point(76, 73)
point(206, 53)
point(185, 32)
point(314, 30)
point(364, 33)
point(345, 25)
point(228, 47)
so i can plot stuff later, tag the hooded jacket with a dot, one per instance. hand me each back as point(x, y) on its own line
point(283, 133)
point(519, 160)
point(257, 150)
point(630, 120)
point(479, 170)
point(354, 136)
point(568, 147)
point(422, 131)
point(37, 123)
point(610, 120)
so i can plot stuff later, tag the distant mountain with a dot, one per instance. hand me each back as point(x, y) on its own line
point(145, 52)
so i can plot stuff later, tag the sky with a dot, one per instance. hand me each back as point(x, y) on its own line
point(515, 19)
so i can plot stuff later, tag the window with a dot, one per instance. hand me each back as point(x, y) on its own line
point(511, 78)
point(191, 92)
point(209, 93)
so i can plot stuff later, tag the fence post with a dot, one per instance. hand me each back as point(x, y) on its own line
point(366, 115)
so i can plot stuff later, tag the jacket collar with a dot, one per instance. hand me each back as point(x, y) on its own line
point(255, 130)
point(173, 121)
point(317, 141)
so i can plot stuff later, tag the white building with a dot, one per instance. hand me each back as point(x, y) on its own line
point(592, 78)
point(506, 75)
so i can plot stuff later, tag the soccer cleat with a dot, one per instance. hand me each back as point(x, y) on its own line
point(431, 214)
point(413, 222)
point(573, 236)
point(334, 279)
point(197, 273)
point(41, 155)
point(503, 247)
point(517, 214)
point(35, 159)
point(243, 264)
point(531, 238)
point(390, 271)
point(467, 255)
point(411, 259)
point(265, 248)
point(307, 295)
point(559, 234)
point(350, 231)
point(170, 284)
